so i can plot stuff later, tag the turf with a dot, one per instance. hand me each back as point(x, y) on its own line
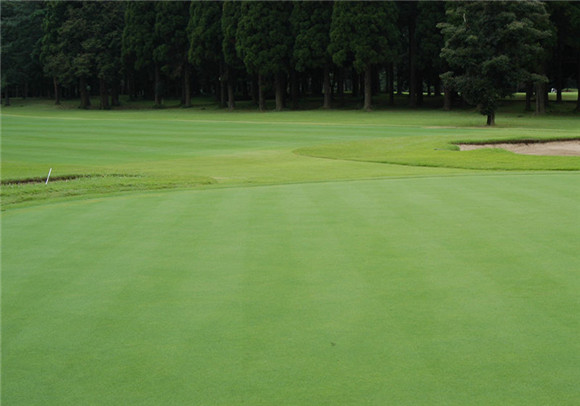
point(214, 265)
point(424, 291)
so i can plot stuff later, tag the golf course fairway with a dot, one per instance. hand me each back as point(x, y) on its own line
point(183, 262)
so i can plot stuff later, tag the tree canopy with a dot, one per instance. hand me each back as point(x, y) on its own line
point(483, 50)
point(493, 46)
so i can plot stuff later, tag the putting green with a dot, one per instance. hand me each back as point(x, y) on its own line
point(439, 290)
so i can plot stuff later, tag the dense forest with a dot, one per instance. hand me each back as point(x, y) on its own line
point(473, 52)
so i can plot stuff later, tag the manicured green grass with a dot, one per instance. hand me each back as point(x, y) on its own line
point(443, 151)
point(132, 150)
point(202, 257)
point(458, 290)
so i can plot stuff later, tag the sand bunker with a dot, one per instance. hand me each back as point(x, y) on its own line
point(561, 148)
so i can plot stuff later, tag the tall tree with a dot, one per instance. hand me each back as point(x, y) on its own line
point(265, 43)
point(566, 18)
point(54, 58)
point(104, 42)
point(311, 24)
point(20, 44)
point(573, 41)
point(429, 61)
point(365, 32)
point(231, 14)
point(139, 41)
point(172, 45)
point(492, 46)
point(408, 14)
point(74, 42)
point(205, 40)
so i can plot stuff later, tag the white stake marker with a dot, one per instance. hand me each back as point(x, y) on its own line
point(48, 177)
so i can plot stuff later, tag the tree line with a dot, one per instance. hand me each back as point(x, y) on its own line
point(476, 52)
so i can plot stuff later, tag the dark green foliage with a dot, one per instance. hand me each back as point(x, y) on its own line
point(205, 41)
point(205, 33)
point(311, 26)
point(20, 42)
point(492, 46)
point(171, 19)
point(82, 40)
point(365, 32)
point(231, 14)
point(139, 33)
point(429, 61)
point(264, 40)
point(55, 59)
point(565, 61)
point(170, 53)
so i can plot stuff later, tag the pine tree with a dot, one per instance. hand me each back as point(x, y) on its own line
point(265, 43)
point(20, 44)
point(231, 13)
point(172, 45)
point(365, 32)
point(311, 25)
point(139, 42)
point(205, 39)
point(492, 46)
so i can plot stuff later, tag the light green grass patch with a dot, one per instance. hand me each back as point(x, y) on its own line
point(442, 151)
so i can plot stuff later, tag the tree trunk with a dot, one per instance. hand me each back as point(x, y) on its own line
point(399, 82)
point(56, 91)
point(326, 88)
point(84, 91)
point(340, 84)
point(103, 95)
point(279, 91)
point(437, 87)
point(368, 88)
point(256, 82)
point(559, 72)
point(529, 94)
point(391, 83)
point(186, 85)
point(412, 66)
point(115, 94)
point(6, 96)
point(294, 89)
point(158, 86)
point(355, 79)
point(419, 90)
point(131, 85)
point(230, 83)
point(261, 101)
point(446, 98)
point(540, 98)
point(376, 78)
point(578, 81)
point(223, 85)
point(491, 119)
